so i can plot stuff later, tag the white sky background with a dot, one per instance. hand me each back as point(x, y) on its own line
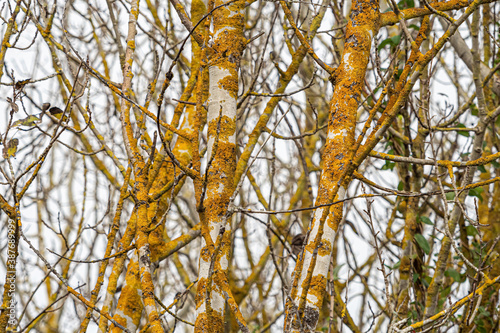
point(35, 63)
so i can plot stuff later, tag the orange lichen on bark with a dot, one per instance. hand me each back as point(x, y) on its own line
point(396, 100)
point(209, 323)
point(317, 289)
point(224, 60)
point(10, 29)
point(391, 18)
point(141, 179)
point(307, 295)
point(230, 83)
point(129, 309)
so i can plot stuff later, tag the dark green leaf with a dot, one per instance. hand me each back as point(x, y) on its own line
point(410, 4)
point(388, 165)
point(453, 274)
point(426, 220)
point(385, 42)
point(445, 292)
point(476, 192)
point(422, 242)
point(392, 41)
point(471, 230)
point(474, 110)
point(396, 39)
point(463, 133)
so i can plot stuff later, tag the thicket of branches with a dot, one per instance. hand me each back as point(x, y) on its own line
point(221, 166)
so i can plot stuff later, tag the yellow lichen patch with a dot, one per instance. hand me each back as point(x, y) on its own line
point(130, 302)
point(230, 84)
point(135, 12)
point(391, 18)
point(223, 162)
point(147, 290)
point(205, 253)
point(156, 241)
point(223, 128)
point(201, 291)
point(120, 320)
point(310, 247)
point(404, 267)
point(335, 215)
point(198, 9)
point(212, 324)
point(325, 248)
point(229, 16)
point(317, 289)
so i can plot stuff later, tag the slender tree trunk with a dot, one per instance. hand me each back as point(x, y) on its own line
point(224, 61)
point(310, 275)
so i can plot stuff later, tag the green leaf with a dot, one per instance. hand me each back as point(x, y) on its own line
point(398, 73)
point(400, 186)
point(403, 4)
point(422, 242)
point(426, 220)
point(474, 110)
point(463, 133)
point(388, 165)
point(396, 39)
point(464, 155)
point(29, 121)
point(385, 42)
point(453, 274)
point(410, 3)
point(450, 196)
point(495, 164)
point(481, 168)
point(392, 41)
point(396, 265)
point(481, 329)
point(471, 230)
point(335, 272)
point(476, 192)
point(445, 292)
